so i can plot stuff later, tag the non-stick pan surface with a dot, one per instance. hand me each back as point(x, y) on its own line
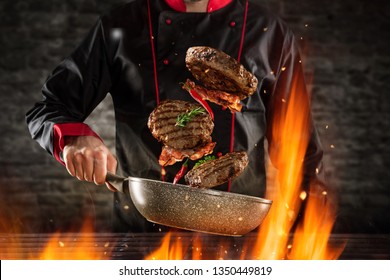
point(195, 209)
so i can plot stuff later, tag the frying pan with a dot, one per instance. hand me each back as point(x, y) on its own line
point(195, 209)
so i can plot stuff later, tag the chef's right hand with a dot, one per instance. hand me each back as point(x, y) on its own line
point(88, 159)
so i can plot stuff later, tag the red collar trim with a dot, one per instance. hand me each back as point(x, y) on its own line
point(178, 5)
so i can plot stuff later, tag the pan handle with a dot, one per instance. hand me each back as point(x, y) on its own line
point(115, 181)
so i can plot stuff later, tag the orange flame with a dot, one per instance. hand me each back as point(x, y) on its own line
point(168, 250)
point(197, 248)
point(80, 245)
point(312, 235)
point(290, 135)
point(172, 248)
point(70, 247)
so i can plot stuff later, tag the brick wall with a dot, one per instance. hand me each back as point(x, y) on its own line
point(346, 55)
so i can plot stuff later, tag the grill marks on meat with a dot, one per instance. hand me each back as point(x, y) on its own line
point(192, 140)
point(218, 171)
point(217, 70)
point(162, 125)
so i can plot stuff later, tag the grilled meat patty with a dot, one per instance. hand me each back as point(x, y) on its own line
point(218, 171)
point(193, 139)
point(162, 124)
point(217, 70)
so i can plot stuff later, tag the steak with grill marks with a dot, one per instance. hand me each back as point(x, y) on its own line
point(192, 140)
point(218, 171)
point(224, 80)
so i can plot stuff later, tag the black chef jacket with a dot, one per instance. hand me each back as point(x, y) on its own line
point(137, 50)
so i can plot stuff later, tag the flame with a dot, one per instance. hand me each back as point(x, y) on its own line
point(311, 237)
point(197, 248)
point(169, 250)
point(80, 245)
point(70, 247)
point(290, 136)
point(172, 248)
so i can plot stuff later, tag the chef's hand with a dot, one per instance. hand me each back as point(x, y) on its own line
point(88, 159)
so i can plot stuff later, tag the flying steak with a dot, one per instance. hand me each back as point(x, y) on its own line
point(218, 171)
point(224, 80)
point(217, 70)
point(183, 128)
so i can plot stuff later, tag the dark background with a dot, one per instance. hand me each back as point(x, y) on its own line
point(345, 45)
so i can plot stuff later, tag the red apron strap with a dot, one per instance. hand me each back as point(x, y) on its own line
point(238, 59)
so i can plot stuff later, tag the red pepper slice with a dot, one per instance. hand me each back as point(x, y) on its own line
point(198, 98)
point(163, 173)
point(181, 172)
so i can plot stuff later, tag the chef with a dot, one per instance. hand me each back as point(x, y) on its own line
point(136, 53)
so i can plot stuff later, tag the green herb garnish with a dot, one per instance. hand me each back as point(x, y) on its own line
point(184, 118)
point(203, 160)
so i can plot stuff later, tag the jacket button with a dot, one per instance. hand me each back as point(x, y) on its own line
point(166, 61)
point(232, 23)
point(168, 21)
